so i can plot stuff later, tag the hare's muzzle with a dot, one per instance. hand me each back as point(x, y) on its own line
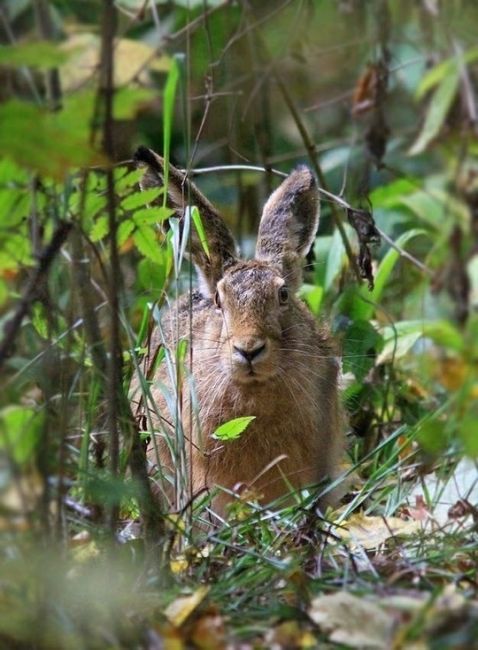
point(249, 352)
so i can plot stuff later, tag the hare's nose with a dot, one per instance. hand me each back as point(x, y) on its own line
point(250, 352)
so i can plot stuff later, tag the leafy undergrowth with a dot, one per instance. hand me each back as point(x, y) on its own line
point(398, 572)
point(379, 99)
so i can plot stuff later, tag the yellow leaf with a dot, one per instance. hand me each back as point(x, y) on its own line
point(452, 373)
point(132, 60)
point(179, 564)
point(179, 610)
point(369, 532)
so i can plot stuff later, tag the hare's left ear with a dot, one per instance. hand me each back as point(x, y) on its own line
point(288, 225)
point(181, 192)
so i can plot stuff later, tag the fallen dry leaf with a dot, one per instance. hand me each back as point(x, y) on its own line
point(353, 621)
point(179, 610)
point(208, 632)
point(369, 532)
point(289, 634)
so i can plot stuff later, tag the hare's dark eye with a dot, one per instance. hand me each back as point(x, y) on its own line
point(283, 295)
point(217, 300)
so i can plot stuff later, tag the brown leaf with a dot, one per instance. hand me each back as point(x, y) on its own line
point(364, 225)
point(365, 92)
point(208, 632)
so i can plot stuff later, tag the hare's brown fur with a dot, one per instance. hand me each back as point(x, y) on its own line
point(255, 350)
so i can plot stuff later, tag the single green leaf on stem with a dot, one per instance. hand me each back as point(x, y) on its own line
point(131, 179)
point(198, 224)
point(232, 430)
point(140, 198)
point(152, 215)
point(125, 229)
point(99, 229)
point(145, 239)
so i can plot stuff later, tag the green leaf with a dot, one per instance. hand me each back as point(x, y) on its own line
point(391, 195)
point(438, 108)
point(50, 143)
point(432, 436)
point(155, 214)
point(313, 296)
point(443, 69)
point(360, 347)
point(15, 250)
point(168, 113)
point(100, 229)
point(468, 428)
point(400, 339)
point(145, 240)
point(131, 179)
point(20, 429)
point(232, 430)
point(335, 257)
point(129, 100)
point(364, 301)
point(124, 231)
point(14, 205)
point(196, 217)
point(39, 321)
point(3, 292)
point(181, 350)
point(151, 276)
point(140, 198)
point(42, 54)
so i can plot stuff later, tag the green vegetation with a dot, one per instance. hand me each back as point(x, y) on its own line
point(380, 100)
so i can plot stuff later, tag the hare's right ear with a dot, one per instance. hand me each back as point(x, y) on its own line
point(181, 193)
point(288, 225)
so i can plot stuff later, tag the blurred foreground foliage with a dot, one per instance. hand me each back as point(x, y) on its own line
point(381, 97)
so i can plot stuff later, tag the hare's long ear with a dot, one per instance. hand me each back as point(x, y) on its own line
point(181, 192)
point(289, 223)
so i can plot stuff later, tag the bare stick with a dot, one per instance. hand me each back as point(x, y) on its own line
point(310, 147)
point(114, 388)
point(47, 31)
point(332, 197)
point(45, 259)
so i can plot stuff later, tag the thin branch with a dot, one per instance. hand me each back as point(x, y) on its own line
point(47, 31)
point(114, 387)
point(184, 31)
point(332, 197)
point(45, 260)
point(24, 69)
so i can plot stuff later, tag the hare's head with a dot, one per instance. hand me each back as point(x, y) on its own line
point(254, 318)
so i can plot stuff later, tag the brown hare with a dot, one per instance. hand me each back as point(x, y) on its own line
point(255, 350)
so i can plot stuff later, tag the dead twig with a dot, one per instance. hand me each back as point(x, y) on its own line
point(45, 260)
